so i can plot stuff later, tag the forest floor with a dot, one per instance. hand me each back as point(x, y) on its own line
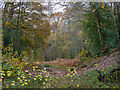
point(57, 74)
point(59, 66)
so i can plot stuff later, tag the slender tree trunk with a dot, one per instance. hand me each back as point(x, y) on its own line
point(35, 54)
point(20, 20)
point(99, 30)
point(18, 30)
point(4, 19)
point(45, 54)
point(118, 22)
point(11, 29)
point(98, 21)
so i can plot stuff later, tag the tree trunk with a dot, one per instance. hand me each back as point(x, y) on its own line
point(98, 21)
point(11, 29)
point(3, 23)
point(99, 30)
point(118, 23)
point(35, 54)
point(45, 54)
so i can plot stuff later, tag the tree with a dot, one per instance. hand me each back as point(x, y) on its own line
point(28, 28)
point(99, 24)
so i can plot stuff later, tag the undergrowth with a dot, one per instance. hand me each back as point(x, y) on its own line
point(13, 76)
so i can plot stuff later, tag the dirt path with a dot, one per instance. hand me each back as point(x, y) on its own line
point(100, 63)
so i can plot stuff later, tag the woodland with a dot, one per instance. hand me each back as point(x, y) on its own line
point(60, 44)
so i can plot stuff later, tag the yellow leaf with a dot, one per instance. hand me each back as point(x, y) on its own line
point(37, 62)
point(22, 25)
point(102, 6)
point(72, 2)
point(102, 2)
point(13, 26)
point(94, 10)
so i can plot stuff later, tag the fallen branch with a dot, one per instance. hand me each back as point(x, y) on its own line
point(103, 78)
